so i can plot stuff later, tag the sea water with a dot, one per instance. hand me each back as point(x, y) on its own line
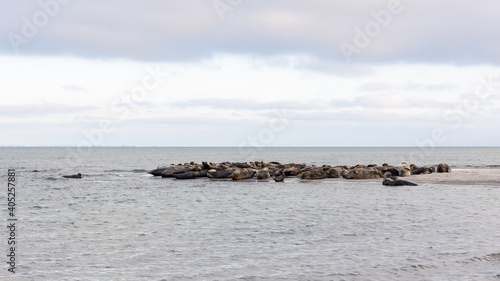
point(120, 223)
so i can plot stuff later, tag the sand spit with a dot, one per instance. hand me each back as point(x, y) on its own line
point(437, 174)
point(478, 177)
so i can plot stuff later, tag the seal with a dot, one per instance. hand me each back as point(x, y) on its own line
point(279, 178)
point(187, 175)
point(77, 176)
point(391, 171)
point(423, 170)
point(222, 174)
point(367, 173)
point(203, 173)
point(362, 174)
point(291, 172)
point(242, 174)
point(169, 172)
point(263, 174)
point(158, 171)
point(393, 181)
point(404, 171)
point(443, 168)
point(313, 174)
point(335, 172)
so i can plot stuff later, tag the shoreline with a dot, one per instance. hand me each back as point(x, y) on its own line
point(478, 177)
point(472, 177)
point(430, 174)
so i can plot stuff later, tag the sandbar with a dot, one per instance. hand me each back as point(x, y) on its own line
point(478, 177)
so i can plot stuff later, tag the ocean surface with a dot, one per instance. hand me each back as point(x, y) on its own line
point(119, 223)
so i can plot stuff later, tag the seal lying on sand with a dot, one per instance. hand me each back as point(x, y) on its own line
point(158, 171)
point(222, 174)
point(263, 174)
point(443, 168)
point(169, 172)
point(242, 174)
point(362, 174)
point(187, 175)
point(279, 176)
point(77, 176)
point(393, 181)
point(423, 170)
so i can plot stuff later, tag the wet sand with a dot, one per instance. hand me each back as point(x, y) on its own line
point(473, 177)
point(479, 177)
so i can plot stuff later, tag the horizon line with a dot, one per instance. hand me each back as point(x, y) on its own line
point(243, 147)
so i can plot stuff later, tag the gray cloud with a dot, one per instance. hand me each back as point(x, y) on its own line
point(74, 88)
point(333, 67)
point(241, 104)
point(36, 110)
point(374, 87)
point(427, 87)
point(360, 117)
point(369, 101)
point(459, 32)
point(382, 101)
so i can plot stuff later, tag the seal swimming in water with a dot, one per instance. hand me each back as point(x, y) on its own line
point(393, 181)
point(77, 176)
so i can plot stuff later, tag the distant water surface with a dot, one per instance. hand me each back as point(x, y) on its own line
point(119, 223)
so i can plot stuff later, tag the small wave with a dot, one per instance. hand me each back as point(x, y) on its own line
point(33, 170)
point(139, 171)
point(490, 257)
point(93, 175)
point(126, 171)
point(282, 232)
point(478, 167)
point(419, 267)
point(487, 258)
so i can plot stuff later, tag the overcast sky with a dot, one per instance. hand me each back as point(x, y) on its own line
point(250, 73)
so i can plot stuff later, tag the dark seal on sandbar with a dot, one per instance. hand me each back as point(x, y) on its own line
point(393, 181)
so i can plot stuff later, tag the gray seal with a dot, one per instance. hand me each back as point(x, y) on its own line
point(77, 176)
point(187, 175)
point(393, 181)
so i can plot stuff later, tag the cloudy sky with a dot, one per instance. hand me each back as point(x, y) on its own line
point(250, 73)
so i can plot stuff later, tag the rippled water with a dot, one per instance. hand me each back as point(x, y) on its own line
point(118, 223)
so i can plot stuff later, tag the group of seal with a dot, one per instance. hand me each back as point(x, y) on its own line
point(278, 171)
